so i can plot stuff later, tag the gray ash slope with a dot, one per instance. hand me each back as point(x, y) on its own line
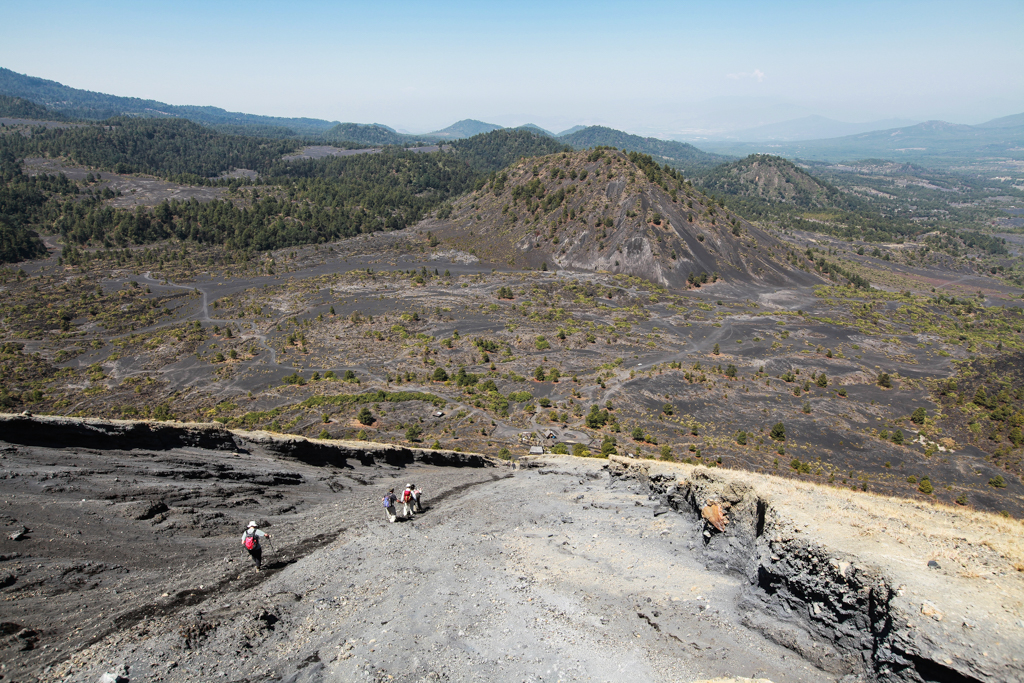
point(615, 212)
point(563, 569)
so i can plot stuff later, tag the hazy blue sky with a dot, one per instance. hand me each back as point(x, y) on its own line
point(653, 67)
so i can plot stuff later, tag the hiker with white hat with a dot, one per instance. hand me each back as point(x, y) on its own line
point(251, 542)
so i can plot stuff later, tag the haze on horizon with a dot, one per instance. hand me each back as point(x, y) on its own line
point(656, 68)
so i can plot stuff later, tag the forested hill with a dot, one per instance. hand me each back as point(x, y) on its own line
point(678, 154)
point(295, 202)
point(17, 108)
point(165, 147)
point(766, 187)
point(774, 180)
point(25, 204)
point(370, 134)
point(465, 128)
point(85, 104)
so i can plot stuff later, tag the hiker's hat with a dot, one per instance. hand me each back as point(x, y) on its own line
point(408, 486)
point(251, 525)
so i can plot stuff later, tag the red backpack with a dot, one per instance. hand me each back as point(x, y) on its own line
point(250, 540)
point(406, 496)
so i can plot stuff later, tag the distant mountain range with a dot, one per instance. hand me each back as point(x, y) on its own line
point(678, 154)
point(811, 128)
point(814, 138)
point(929, 143)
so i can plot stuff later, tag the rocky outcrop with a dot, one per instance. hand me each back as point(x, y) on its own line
point(127, 435)
point(847, 615)
point(63, 432)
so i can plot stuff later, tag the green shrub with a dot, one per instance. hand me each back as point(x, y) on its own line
point(925, 486)
point(365, 416)
point(997, 482)
point(414, 432)
point(541, 343)
point(597, 418)
point(778, 432)
point(884, 380)
point(918, 416)
point(560, 449)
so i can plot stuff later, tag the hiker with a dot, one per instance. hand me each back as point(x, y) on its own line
point(251, 541)
point(389, 505)
point(407, 501)
point(416, 493)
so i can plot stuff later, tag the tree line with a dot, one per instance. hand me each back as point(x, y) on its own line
point(295, 202)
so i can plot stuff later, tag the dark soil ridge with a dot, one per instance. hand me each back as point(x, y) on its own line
point(836, 611)
point(102, 434)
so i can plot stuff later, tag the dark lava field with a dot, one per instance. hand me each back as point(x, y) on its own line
point(446, 350)
point(797, 457)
